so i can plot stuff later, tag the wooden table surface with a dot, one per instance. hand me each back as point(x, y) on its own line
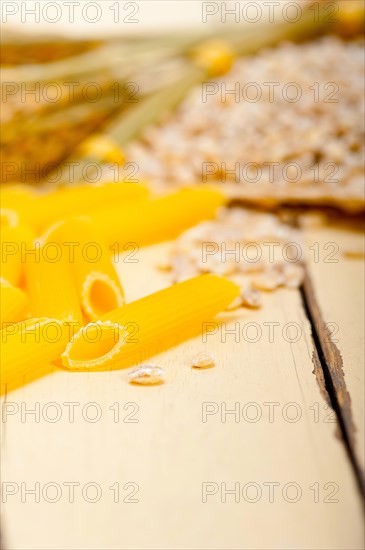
point(247, 455)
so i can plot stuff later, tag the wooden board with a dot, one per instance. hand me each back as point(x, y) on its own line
point(170, 460)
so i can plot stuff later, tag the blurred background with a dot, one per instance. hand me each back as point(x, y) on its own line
point(68, 68)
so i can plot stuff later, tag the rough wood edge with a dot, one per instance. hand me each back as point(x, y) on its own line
point(329, 372)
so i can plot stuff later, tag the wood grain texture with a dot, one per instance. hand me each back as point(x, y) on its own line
point(170, 452)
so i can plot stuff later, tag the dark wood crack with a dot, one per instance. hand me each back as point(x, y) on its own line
point(328, 368)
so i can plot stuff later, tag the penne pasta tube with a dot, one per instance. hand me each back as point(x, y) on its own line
point(50, 283)
point(8, 218)
point(42, 210)
point(29, 346)
point(19, 199)
point(16, 196)
point(15, 243)
point(13, 303)
point(98, 286)
point(160, 219)
point(148, 326)
point(82, 199)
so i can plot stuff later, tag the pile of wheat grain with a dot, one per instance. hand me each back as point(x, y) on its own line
point(292, 131)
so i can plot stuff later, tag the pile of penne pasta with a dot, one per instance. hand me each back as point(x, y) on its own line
point(61, 297)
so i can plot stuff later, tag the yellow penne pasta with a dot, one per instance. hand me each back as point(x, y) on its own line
point(14, 305)
point(28, 347)
point(97, 282)
point(81, 199)
point(8, 218)
point(15, 243)
point(18, 198)
point(15, 196)
point(148, 326)
point(160, 219)
point(42, 210)
point(50, 283)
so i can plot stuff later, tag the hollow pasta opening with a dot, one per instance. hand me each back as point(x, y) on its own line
point(94, 345)
point(101, 295)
